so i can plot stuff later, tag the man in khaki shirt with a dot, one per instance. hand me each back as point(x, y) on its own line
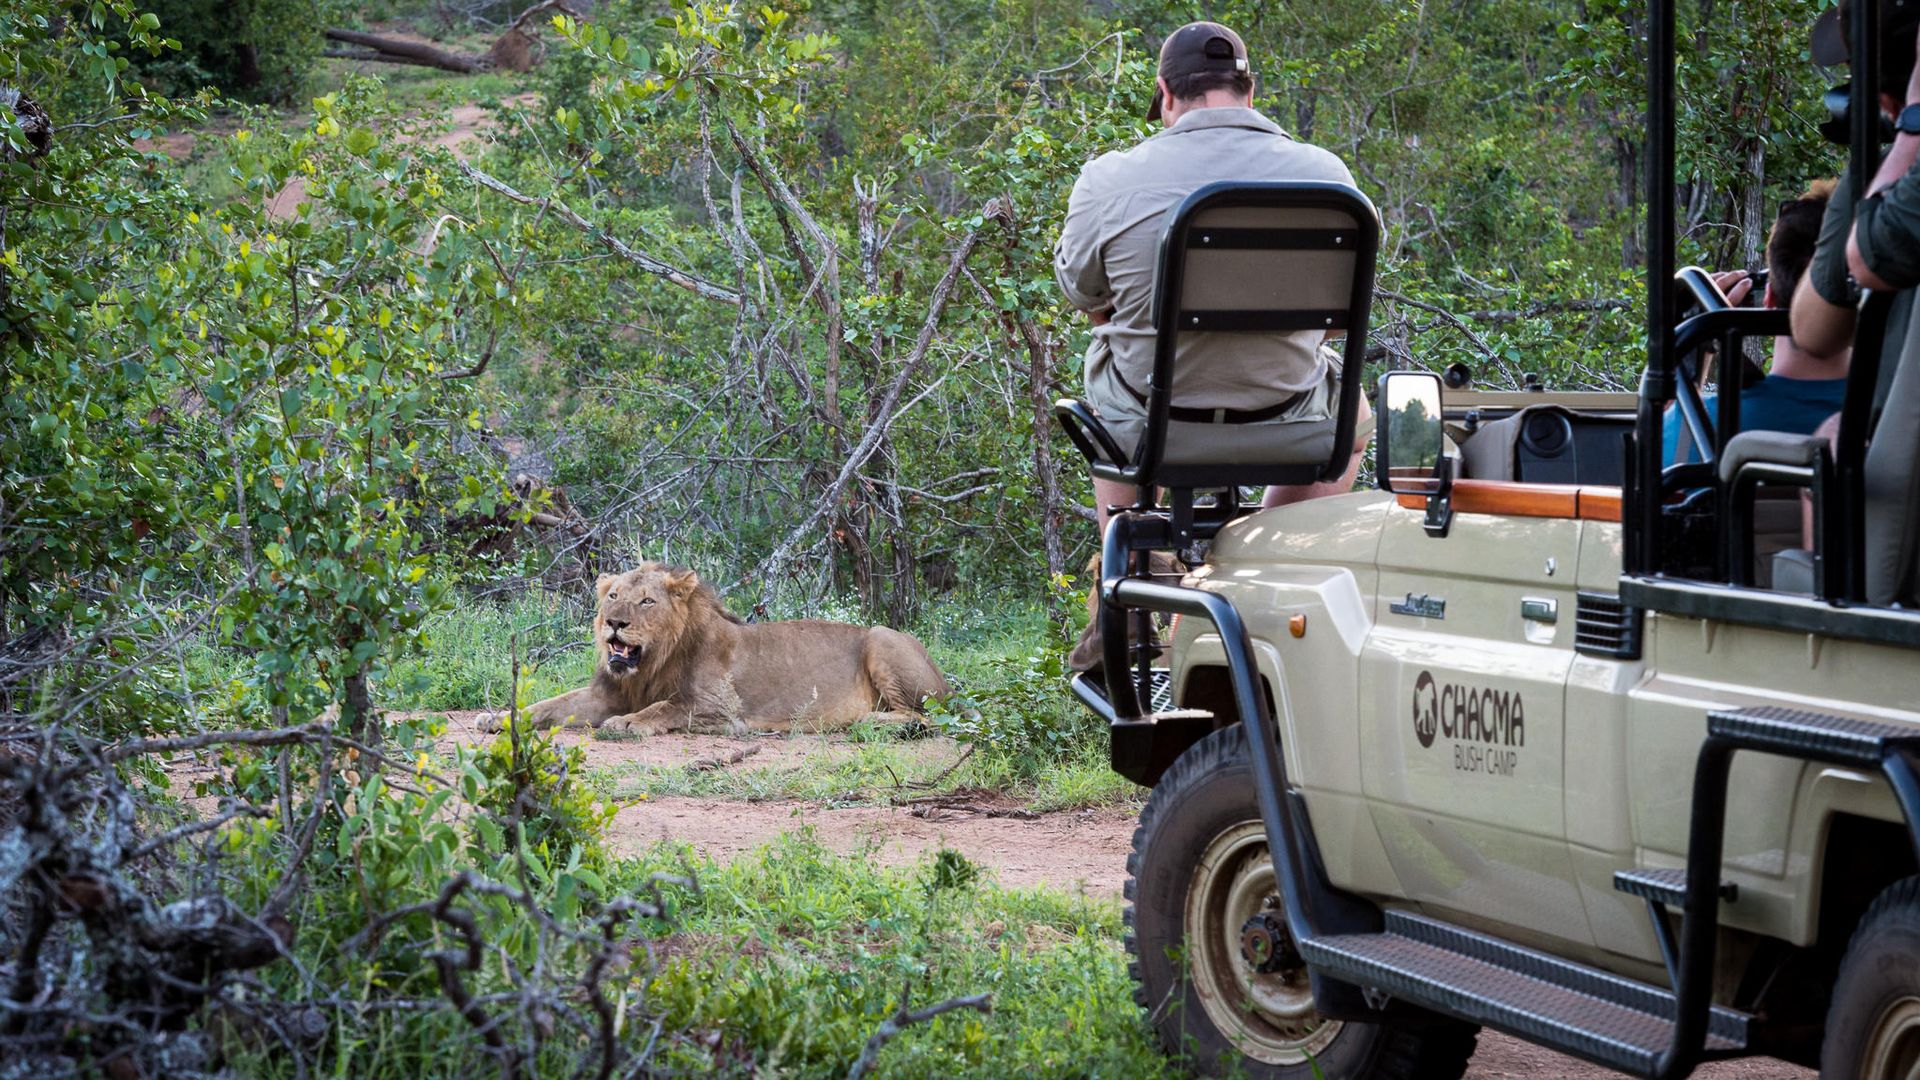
point(1108, 252)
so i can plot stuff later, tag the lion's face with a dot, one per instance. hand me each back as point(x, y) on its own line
point(641, 612)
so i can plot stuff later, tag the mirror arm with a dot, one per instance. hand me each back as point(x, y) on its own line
point(1440, 504)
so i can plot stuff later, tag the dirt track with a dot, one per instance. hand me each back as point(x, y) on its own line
point(1080, 850)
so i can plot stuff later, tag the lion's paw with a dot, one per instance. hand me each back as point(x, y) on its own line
point(632, 728)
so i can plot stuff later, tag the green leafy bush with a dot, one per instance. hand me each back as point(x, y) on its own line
point(531, 791)
point(261, 50)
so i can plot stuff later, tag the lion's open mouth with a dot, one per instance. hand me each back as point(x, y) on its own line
point(622, 656)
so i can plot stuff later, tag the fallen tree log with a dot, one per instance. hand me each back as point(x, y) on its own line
point(517, 49)
point(402, 51)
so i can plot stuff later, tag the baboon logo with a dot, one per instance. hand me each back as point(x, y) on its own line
point(1426, 709)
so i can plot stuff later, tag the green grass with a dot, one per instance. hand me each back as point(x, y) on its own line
point(468, 661)
point(860, 773)
point(791, 957)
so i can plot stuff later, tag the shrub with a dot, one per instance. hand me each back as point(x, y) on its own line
point(262, 50)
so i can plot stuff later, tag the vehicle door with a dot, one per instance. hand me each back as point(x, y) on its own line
point(1462, 702)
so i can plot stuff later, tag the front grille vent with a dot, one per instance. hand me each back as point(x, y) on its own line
point(1603, 626)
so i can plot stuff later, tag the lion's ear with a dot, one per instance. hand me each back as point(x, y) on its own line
point(681, 583)
point(603, 583)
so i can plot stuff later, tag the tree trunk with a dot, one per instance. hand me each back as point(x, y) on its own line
point(362, 723)
point(413, 52)
point(249, 65)
point(1040, 392)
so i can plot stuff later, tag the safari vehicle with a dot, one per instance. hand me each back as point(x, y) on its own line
point(1545, 736)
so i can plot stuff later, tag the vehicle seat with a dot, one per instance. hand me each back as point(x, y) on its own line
point(1892, 489)
point(1269, 257)
point(1892, 481)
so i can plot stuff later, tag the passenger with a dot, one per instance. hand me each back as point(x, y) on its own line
point(1800, 390)
point(1879, 246)
point(1108, 251)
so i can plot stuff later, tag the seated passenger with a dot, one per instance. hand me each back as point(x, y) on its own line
point(1108, 252)
point(1800, 390)
point(1879, 246)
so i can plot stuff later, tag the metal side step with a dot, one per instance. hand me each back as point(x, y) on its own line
point(1838, 739)
point(1092, 692)
point(1664, 886)
point(1604, 1018)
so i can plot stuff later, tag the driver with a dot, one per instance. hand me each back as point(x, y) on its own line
point(1108, 251)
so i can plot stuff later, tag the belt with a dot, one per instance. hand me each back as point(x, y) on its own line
point(1216, 416)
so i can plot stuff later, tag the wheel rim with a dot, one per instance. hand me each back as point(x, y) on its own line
point(1268, 1017)
point(1893, 1052)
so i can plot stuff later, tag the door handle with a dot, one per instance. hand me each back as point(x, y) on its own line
point(1534, 609)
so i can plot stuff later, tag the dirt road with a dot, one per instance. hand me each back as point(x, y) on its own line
point(1079, 850)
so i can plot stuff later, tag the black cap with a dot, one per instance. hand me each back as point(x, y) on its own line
point(1197, 47)
point(1831, 46)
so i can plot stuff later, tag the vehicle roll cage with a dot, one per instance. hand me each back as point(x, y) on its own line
point(1685, 312)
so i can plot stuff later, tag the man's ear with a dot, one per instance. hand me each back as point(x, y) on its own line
point(1767, 299)
point(603, 583)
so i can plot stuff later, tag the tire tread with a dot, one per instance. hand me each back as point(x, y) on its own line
point(1437, 1051)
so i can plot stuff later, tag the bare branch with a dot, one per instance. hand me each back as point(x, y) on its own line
point(691, 282)
point(884, 411)
point(902, 1019)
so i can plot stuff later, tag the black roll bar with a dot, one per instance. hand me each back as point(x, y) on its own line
point(1642, 551)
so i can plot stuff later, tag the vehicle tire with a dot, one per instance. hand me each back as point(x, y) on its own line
point(1873, 1024)
point(1199, 872)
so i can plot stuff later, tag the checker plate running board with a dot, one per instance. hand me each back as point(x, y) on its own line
point(1604, 1018)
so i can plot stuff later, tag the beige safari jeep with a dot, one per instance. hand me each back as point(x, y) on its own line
point(1546, 735)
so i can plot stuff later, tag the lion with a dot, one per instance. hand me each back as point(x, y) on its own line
point(672, 659)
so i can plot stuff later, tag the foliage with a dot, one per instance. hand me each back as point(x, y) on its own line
point(263, 50)
point(789, 958)
point(526, 780)
point(1020, 707)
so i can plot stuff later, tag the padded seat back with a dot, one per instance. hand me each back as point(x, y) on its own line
point(1892, 486)
point(1249, 258)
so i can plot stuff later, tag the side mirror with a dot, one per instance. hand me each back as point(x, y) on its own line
point(1411, 456)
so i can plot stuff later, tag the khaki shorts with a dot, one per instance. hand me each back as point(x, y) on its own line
point(1304, 433)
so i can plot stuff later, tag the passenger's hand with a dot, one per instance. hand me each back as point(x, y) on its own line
point(1736, 285)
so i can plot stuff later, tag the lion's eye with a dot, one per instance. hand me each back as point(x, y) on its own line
point(645, 600)
point(613, 594)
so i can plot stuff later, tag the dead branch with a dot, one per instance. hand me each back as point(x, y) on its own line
point(450, 964)
point(903, 1019)
point(923, 785)
point(691, 282)
point(884, 412)
point(401, 51)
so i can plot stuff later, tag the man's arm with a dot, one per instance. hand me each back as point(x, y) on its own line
point(1884, 249)
point(1078, 266)
point(1822, 304)
point(1820, 327)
